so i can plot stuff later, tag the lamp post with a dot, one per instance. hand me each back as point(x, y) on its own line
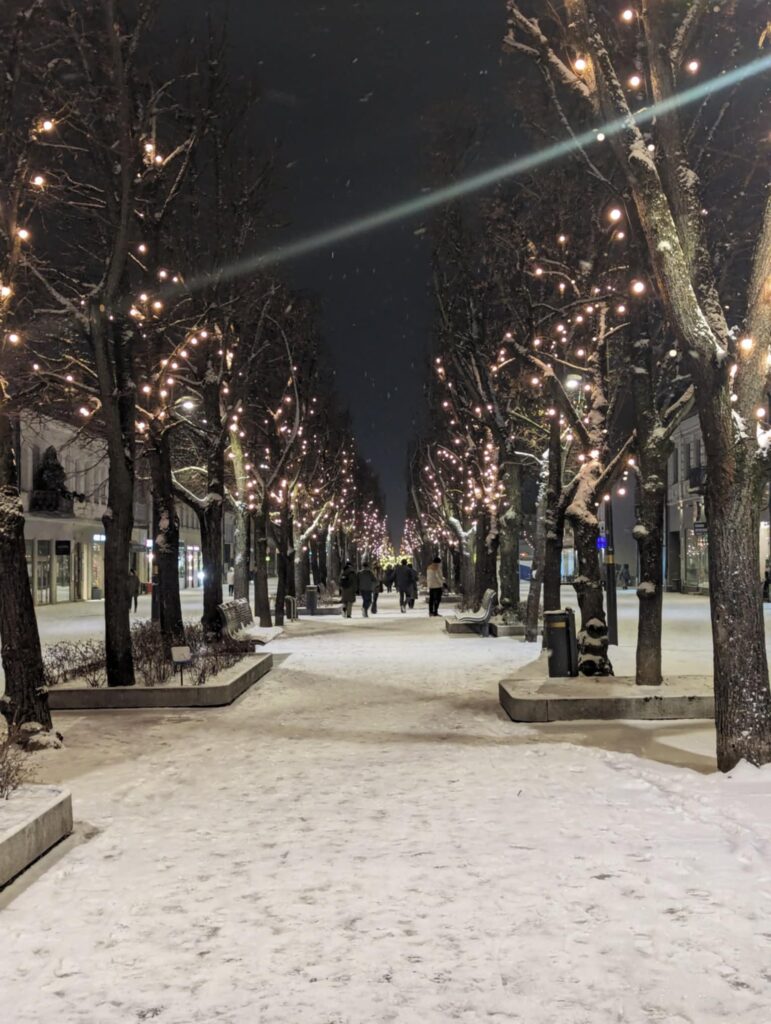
point(610, 575)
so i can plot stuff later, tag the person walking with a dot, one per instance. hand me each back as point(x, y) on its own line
point(347, 589)
point(388, 579)
point(231, 577)
point(367, 583)
point(406, 583)
point(435, 584)
point(378, 588)
point(134, 587)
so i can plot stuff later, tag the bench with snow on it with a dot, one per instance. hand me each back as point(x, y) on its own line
point(474, 622)
point(240, 626)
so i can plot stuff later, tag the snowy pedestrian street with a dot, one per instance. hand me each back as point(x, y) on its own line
point(364, 837)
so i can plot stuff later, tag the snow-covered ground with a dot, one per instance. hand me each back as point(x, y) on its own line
point(364, 837)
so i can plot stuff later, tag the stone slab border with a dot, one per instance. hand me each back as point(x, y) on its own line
point(616, 697)
point(49, 820)
point(229, 686)
point(325, 610)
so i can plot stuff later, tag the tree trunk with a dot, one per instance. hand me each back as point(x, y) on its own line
point(554, 523)
point(210, 523)
point(261, 597)
point(113, 361)
point(165, 540)
point(485, 577)
point(26, 700)
point(301, 547)
point(240, 550)
point(282, 572)
point(509, 541)
point(742, 698)
point(581, 513)
point(536, 575)
point(593, 636)
point(335, 562)
point(649, 535)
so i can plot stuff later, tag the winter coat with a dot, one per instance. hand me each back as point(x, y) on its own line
point(348, 586)
point(406, 580)
point(389, 576)
point(368, 581)
point(134, 585)
point(434, 577)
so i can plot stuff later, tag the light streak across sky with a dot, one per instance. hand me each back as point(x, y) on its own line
point(414, 207)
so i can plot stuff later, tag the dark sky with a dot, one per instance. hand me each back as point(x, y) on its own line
point(350, 92)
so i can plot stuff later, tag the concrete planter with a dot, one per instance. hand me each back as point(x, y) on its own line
point(32, 820)
point(499, 629)
point(224, 689)
point(536, 699)
point(322, 610)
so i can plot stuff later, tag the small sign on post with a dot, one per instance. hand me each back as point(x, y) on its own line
point(181, 656)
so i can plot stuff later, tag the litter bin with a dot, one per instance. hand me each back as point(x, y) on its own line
point(560, 634)
point(311, 600)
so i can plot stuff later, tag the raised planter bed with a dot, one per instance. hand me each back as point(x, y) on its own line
point(32, 820)
point(536, 699)
point(223, 689)
point(324, 610)
point(501, 629)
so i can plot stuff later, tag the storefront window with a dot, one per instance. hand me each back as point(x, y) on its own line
point(63, 573)
point(43, 581)
point(696, 559)
point(97, 568)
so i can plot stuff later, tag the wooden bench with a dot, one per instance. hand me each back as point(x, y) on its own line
point(239, 624)
point(474, 622)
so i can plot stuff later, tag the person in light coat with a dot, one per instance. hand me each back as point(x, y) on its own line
point(435, 582)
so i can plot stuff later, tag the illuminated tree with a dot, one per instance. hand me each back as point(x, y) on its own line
point(699, 192)
point(100, 124)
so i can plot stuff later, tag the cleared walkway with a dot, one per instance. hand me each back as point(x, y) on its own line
point(366, 838)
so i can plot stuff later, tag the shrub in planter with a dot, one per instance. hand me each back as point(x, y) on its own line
point(14, 765)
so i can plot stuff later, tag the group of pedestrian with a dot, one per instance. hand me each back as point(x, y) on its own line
point(371, 580)
point(367, 581)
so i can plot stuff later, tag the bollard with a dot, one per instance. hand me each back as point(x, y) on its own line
point(560, 640)
point(311, 600)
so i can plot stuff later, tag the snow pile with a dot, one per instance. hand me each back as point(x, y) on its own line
point(366, 838)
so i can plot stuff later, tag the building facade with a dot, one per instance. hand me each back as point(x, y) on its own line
point(64, 499)
point(687, 544)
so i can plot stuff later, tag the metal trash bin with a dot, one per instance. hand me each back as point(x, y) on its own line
point(559, 629)
point(311, 600)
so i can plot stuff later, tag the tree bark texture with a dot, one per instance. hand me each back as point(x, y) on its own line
point(509, 541)
point(742, 698)
point(485, 564)
point(261, 597)
point(554, 523)
point(26, 700)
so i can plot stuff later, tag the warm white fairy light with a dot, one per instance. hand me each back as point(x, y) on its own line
point(746, 344)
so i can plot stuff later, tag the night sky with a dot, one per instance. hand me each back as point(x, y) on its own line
point(350, 92)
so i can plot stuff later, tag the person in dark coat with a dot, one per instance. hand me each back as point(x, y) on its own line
point(388, 579)
point(347, 589)
point(134, 587)
point(367, 583)
point(406, 580)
